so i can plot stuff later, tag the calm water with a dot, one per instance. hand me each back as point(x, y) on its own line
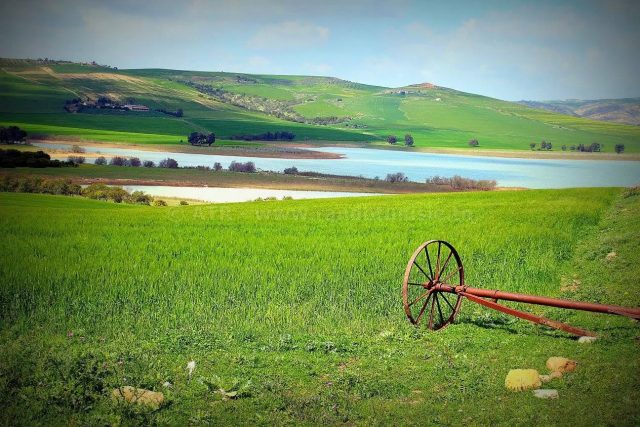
point(228, 195)
point(540, 173)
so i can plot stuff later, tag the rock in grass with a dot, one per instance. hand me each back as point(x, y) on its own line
point(561, 364)
point(586, 340)
point(139, 396)
point(546, 394)
point(522, 379)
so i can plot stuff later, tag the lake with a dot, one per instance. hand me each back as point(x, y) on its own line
point(371, 163)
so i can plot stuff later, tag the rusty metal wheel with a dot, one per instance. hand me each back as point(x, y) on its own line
point(434, 262)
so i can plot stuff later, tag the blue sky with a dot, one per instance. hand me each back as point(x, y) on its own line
point(506, 49)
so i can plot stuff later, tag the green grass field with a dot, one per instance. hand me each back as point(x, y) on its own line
point(32, 95)
point(299, 303)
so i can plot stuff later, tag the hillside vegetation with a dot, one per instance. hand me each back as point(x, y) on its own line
point(295, 307)
point(33, 94)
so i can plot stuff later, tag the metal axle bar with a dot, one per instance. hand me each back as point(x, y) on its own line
point(633, 313)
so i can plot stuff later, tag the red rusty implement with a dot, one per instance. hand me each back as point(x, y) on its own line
point(433, 288)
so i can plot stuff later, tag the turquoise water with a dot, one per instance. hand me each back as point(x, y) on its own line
point(371, 163)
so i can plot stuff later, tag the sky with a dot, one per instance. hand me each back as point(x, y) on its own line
point(512, 50)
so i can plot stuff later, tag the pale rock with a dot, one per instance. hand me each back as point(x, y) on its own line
point(139, 396)
point(561, 364)
point(546, 394)
point(522, 379)
point(611, 256)
point(586, 340)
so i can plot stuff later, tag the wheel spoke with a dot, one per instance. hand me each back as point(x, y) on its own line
point(444, 266)
point(420, 268)
point(447, 301)
point(419, 298)
point(433, 306)
point(438, 263)
point(426, 251)
point(426, 303)
point(439, 311)
point(446, 279)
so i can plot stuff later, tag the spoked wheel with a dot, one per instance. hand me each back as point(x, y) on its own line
point(434, 262)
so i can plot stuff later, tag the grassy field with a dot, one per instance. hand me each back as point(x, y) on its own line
point(297, 304)
point(32, 96)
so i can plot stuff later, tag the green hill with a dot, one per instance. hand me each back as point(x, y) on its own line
point(33, 93)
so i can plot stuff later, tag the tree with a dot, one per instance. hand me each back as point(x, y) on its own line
point(533, 145)
point(619, 148)
point(101, 161)
point(564, 147)
point(217, 166)
point(291, 171)
point(12, 134)
point(179, 112)
point(148, 164)
point(474, 143)
point(135, 162)
point(396, 177)
point(391, 139)
point(211, 138)
point(408, 140)
point(168, 163)
point(543, 145)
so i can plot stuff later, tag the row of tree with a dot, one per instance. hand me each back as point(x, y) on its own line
point(31, 159)
point(12, 135)
point(266, 136)
point(197, 138)
point(408, 140)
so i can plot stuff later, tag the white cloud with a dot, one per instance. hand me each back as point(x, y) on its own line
point(290, 34)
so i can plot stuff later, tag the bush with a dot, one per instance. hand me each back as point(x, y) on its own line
point(631, 191)
point(474, 143)
point(135, 162)
point(104, 192)
point(564, 147)
point(460, 183)
point(100, 161)
point(159, 202)
point(139, 198)
point(249, 167)
point(183, 203)
point(168, 163)
point(291, 171)
point(118, 161)
point(619, 148)
point(77, 149)
point(78, 160)
point(392, 139)
point(148, 164)
point(396, 177)
point(408, 140)
point(217, 166)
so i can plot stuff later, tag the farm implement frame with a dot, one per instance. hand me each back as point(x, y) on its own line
point(434, 286)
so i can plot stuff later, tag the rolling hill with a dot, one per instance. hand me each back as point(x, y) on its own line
point(625, 110)
point(33, 95)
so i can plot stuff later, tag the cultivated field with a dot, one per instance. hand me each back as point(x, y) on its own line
point(296, 305)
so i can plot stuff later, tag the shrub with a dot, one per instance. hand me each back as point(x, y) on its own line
point(139, 198)
point(183, 203)
point(104, 192)
point(148, 164)
point(291, 171)
point(408, 140)
point(631, 192)
point(77, 149)
point(168, 163)
point(159, 202)
point(473, 143)
point(78, 160)
point(392, 139)
point(619, 148)
point(460, 183)
point(396, 177)
point(248, 167)
point(564, 147)
point(135, 162)
point(100, 161)
point(533, 145)
point(217, 166)
point(118, 161)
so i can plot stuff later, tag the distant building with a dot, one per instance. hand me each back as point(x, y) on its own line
point(135, 107)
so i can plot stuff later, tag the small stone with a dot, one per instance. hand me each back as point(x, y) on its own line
point(139, 396)
point(586, 340)
point(611, 256)
point(561, 364)
point(522, 379)
point(546, 394)
point(167, 384)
